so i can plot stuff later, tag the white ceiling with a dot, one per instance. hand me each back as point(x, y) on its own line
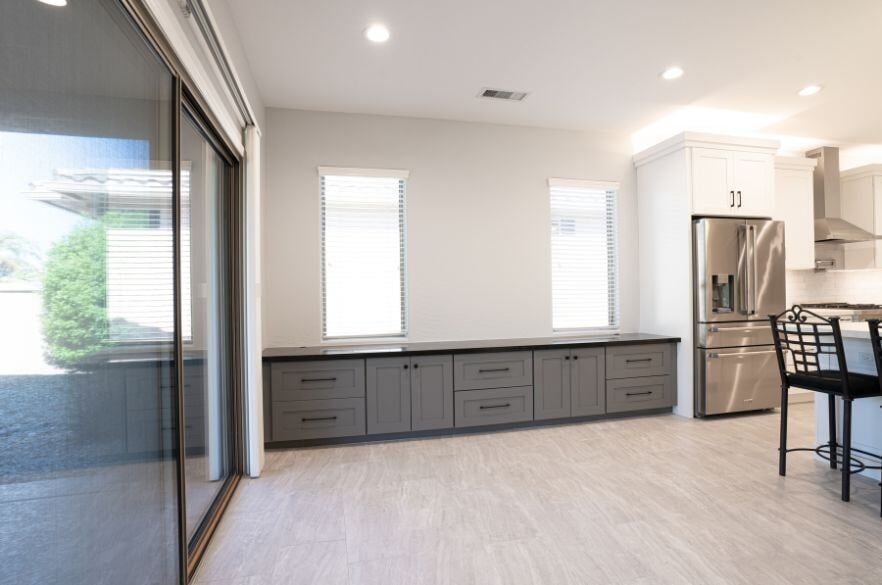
point(587, 64)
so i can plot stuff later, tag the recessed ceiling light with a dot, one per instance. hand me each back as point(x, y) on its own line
point(54, 2)
point(377, 33)
point(671, 73)
point(810, 90)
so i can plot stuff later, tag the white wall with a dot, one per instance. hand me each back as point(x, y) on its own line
point(477, 215)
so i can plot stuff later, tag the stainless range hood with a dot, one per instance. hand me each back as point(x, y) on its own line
point(830, 228)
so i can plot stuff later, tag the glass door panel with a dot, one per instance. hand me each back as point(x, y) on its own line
point(88, 449)
point(205, 296)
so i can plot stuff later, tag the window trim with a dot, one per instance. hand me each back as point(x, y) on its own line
point(402, 176)
point(614, 311)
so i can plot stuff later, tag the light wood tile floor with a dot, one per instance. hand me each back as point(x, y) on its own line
point(639, 501)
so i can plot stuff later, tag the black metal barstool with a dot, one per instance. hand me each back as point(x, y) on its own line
point(817, 363)
point(876, 341)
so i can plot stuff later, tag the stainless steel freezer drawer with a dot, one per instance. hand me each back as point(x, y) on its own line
point(712, 335)
point(737, 379)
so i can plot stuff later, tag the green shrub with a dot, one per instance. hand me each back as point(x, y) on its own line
point(75, 324)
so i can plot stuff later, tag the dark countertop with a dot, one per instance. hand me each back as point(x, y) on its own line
point(485, 345)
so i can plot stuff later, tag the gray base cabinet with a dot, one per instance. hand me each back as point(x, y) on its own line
point(318, 419)
point(431, 392)
point(388, 395)
point(568, 383)
point(639, 393)
point(318, 380)
point(504, 369)
point(552, 395)
point(408, 393)
point(588, 377)
point(644, 360)
point(641, 378)
point(494, 406)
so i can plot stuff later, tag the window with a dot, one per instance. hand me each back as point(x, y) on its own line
point(363, 253)
point(584, 282)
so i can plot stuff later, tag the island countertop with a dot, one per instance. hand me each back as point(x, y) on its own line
point(477, 346)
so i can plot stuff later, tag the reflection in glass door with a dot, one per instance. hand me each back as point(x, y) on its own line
point(88, 433)
point(207, 344)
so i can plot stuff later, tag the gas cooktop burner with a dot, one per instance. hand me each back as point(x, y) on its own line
point(846, 306)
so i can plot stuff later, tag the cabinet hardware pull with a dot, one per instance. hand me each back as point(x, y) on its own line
point(739, 198)
point(319, 379)
point(493, 370)
point(405, 366)
point(575, 357)
point(415, 366)
point(318, 418)
point(634, 360)
point(638, 393)
point(732, 193)
point(566, 357)
point(489, 406)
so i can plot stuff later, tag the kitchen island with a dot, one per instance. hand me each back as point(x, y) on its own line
point(867, 412)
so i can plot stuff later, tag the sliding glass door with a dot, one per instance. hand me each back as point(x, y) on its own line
point(88, 438)
point(119, 302)
point(207, 343)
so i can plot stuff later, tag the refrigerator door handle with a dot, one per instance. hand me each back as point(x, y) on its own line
point(752, 270)
point(742, 268)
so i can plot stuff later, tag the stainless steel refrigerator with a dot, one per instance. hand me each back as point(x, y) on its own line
point(739, 281)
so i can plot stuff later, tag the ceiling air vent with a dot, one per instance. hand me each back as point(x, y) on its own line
point(501, 94)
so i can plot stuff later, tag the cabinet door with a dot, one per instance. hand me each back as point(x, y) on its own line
point(588, 381)
point(431, 388)
point(795, 207)
point(754, 181)
point(858, 204)
point(551, 397)
point(712, 190)
point(388, 395)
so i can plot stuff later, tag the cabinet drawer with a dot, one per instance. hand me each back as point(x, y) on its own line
point(639, 393)
point(641, 360)
point(507, 369)
point(474, 408)
point(318, 419)
point(317, 380)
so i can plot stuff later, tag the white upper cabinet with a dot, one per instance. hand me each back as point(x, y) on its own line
point(861, 203)
point(712, 181)
point(725, 175)
point(730, 182)
point(795, 206)
point(754, 183)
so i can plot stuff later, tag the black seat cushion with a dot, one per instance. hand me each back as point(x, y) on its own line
point(829, 382)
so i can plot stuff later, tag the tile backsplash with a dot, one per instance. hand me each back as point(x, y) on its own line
point(840, 286)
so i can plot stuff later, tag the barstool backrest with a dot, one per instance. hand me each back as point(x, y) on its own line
point(876, 341)
point(813, 344)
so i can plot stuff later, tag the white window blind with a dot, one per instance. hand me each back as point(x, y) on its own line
point(584, 273)
point(363, 253)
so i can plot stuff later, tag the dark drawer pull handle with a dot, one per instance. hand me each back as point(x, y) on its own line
point(318, 418)
point(319, 379)
point(493, 370)
point(631, 361)
point(489, 406)
point(638, 393)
